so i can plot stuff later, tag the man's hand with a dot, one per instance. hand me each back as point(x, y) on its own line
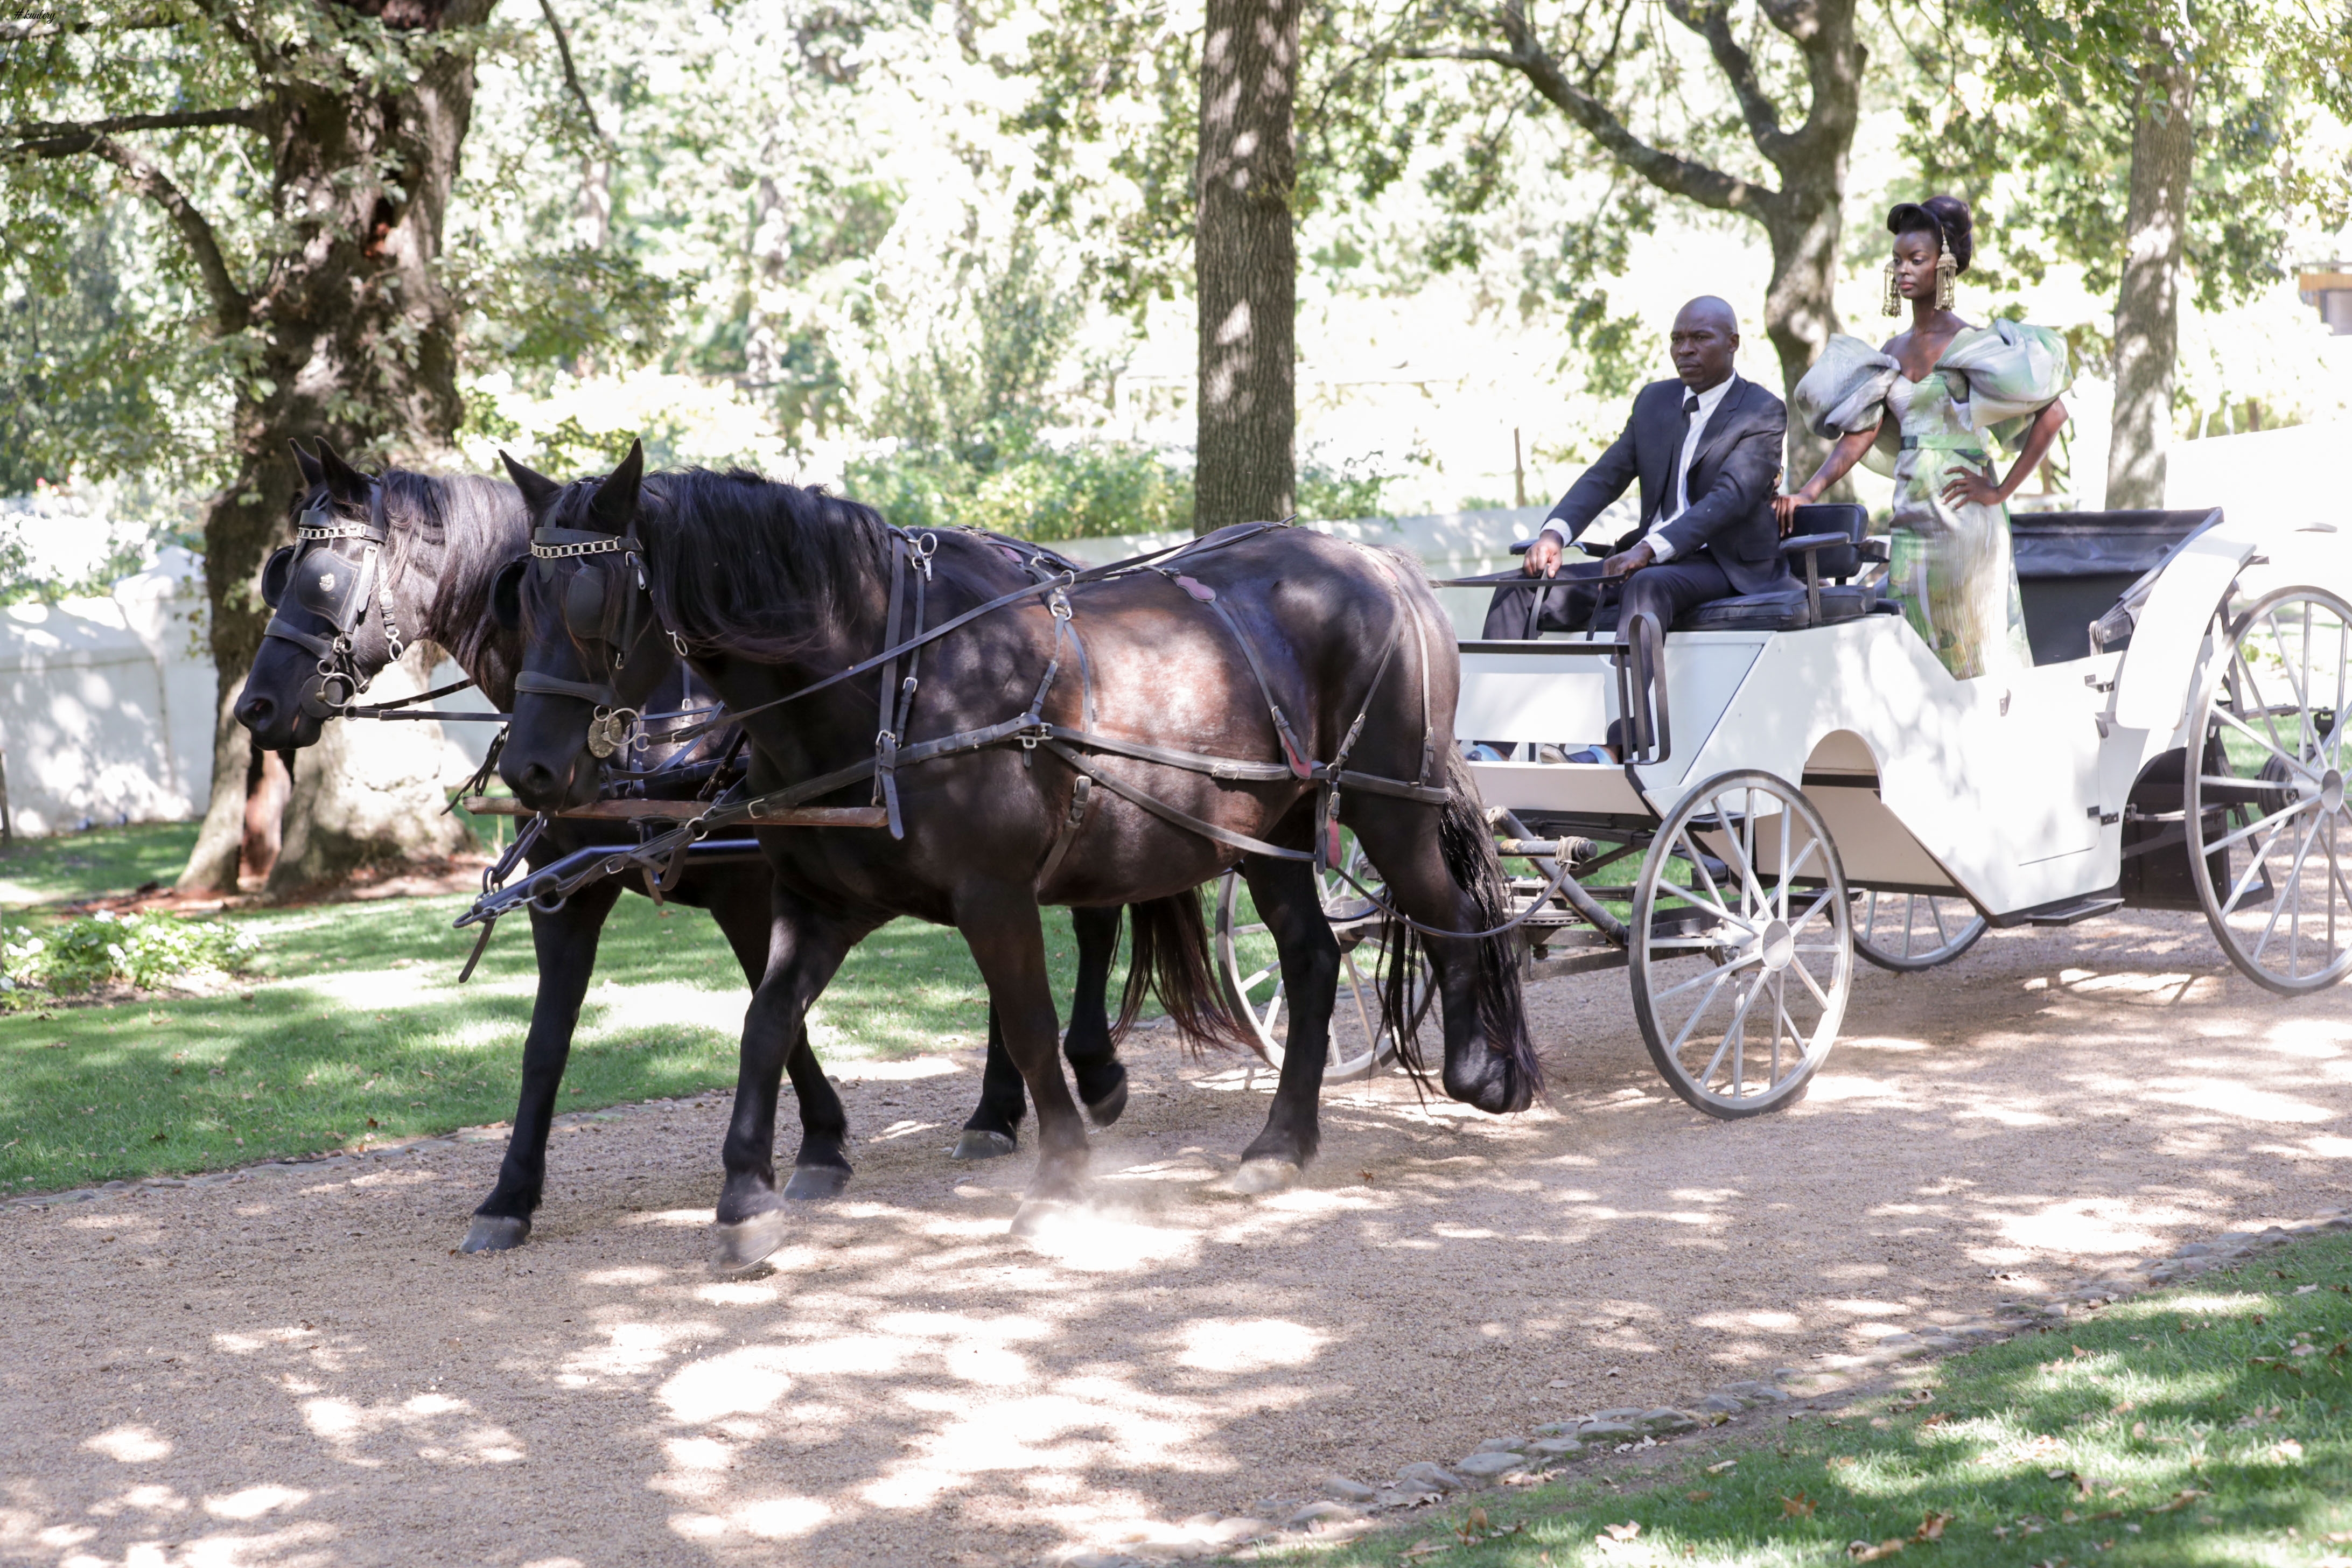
point(1542, 559)
point(1628, 560)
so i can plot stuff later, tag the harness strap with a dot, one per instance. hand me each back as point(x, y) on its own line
point(1082, 792)
point(1065, 579)
point(1167, 812)
point(321, 647)
point(1200, 592)
point(534, 680)
point(885, 740)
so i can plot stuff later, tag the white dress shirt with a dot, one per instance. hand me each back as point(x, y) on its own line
point(1661, 547)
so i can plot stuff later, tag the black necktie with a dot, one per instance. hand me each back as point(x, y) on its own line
point(1671, 506)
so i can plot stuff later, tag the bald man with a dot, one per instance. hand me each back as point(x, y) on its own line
point(1707, 451)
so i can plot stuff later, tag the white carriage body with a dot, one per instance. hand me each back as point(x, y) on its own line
point(2007, 789)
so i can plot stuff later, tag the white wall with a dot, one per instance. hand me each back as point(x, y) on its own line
point(106, 705)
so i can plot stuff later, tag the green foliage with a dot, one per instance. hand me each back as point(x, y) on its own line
point(1011, 482)
point(72, 957)
point(2026, 108)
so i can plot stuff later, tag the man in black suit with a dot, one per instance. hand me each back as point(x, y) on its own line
point(1706, 449)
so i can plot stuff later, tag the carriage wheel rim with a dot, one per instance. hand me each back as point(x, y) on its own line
point(1903, 945)
point(1742, 1034)
point(2295, 781)
point(1258, 996)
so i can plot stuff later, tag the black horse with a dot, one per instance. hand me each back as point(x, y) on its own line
point(444, 540)
point(1090, 744)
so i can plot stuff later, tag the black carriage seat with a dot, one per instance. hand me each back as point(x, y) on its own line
point(1828, 544)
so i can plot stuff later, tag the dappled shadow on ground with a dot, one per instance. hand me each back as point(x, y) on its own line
point(298, 1369)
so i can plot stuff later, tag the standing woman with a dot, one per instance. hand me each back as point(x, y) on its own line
point(1922, 408)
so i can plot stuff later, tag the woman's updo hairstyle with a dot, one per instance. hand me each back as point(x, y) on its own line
point(1947, 216)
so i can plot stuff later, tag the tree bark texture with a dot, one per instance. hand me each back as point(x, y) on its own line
point(2147, 306)
point(1245, 265)
point(1800, 217)
point(357, 343)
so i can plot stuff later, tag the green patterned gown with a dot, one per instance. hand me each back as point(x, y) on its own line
point(1952, 566)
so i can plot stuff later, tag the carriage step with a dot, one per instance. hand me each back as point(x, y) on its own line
point(2072, 912)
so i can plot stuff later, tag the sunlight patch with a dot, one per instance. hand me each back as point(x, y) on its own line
point(1257, 1344)
point(2242, 1101)
point(746, 1382)
point(1106, 1242)
point(131, 1445)
point(254, 1502)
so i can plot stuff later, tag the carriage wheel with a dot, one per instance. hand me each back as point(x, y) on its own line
point(1739, 983)
point(1253, 976)
point(1910, 932)
point(2265, 805)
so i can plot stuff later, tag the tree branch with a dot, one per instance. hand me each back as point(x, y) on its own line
point(232, 310)
point(1711, 20)
point(16, 31)
point(571, 77)
point(1669, 171)
point(44, 141)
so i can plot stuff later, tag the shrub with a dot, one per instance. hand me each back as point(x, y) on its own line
point(78, 955)
point(1027, 488)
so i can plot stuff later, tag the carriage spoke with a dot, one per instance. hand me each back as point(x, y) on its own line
point(1811, 984)
point(2268, 744)
point(1696, 1013)
point(1713, 909)
point(2273, 821)
point(2277, 826)
point(1788, 871)
point(1740, 962)
point(2287, 894)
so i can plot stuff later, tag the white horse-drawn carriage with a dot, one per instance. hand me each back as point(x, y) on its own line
point(1803, 782)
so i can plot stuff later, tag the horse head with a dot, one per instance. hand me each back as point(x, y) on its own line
point(320, 646)
point(592, 652)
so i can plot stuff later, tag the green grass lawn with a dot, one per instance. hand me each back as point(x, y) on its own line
point(2203, 1425)
point(73, 865)
point(351, 1026)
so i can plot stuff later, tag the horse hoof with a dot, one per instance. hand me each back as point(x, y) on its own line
point(1262, 1175)
point(979, 1144)
point(814, 1184)
point(1104, 1111)
point(740, 1248)
point(495, 1233)
point(1037, 1216)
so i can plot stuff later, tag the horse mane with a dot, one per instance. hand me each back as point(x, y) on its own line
point(475, 526)
point(760, 567)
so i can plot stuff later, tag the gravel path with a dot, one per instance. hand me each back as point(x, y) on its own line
point(294, 1369)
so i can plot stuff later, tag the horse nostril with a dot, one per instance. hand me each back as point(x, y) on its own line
point(256, 711)
point(536, 780)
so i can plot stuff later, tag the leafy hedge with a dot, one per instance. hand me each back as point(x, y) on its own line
point(75, 956)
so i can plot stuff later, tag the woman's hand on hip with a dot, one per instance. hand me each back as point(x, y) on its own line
point(1968, 488)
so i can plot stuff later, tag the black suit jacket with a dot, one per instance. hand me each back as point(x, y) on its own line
point(1732, 478)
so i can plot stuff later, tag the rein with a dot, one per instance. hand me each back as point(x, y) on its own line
point(665, 852)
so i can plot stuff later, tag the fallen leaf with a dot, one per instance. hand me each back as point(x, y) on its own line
point(1722, 1468)
point(1798, 1507)
point(2078, 1349)
point(1625, 1532)
point(1864, 1552)
point(2287, 1451)
point(1700, 1496)
point(1937, 1419)
point(2140, 1428)
point(1426, 1549)
point(1840, 1461)
point(2179, 1500)
point(1932, 1527)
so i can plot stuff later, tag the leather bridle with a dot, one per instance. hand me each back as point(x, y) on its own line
point(317, 577)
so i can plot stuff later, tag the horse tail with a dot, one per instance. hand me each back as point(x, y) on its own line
point(1171, 959)
point(1468, 848)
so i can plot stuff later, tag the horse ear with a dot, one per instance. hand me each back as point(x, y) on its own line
point(505, 593)
point(313, 475)
point(344, 482)
point(616, 506)
point(538, 491)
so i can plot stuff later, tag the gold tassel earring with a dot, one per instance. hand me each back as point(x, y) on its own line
point(1894, 292)
point(1948, 274)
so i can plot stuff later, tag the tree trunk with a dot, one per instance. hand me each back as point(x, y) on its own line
point(1245, 264)
point(1800, 312)
point(369, 793)
point(2148, 307)
point(357, 344)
